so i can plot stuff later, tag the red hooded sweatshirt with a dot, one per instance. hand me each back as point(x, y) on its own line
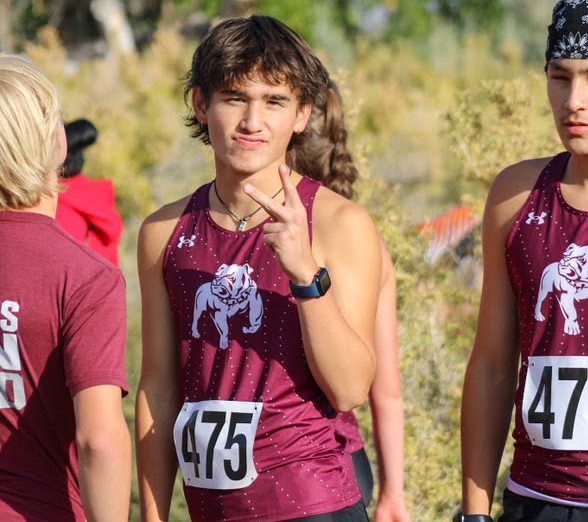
point(87, 210)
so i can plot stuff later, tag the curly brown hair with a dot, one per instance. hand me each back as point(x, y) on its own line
point(239, 48)
point(322, 154)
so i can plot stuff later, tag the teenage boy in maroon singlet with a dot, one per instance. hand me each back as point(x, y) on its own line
point(65, 452)
point(241, 376)
point(535, 238)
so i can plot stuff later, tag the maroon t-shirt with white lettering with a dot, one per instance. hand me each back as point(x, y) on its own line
point(62, 329)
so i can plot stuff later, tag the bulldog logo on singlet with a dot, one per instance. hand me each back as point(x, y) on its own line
point(231, 292)
point(569, 278)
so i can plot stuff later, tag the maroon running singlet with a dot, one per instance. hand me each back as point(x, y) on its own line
point(547, 258)
point(254, 437)
point(347, 430)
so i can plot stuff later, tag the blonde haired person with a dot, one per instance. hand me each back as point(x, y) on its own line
point(31, 127)
point(64, 444)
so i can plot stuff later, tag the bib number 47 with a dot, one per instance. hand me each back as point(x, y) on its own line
point(214, 443)
point(555, 402)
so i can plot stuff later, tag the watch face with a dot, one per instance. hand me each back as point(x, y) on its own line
point(324, 281)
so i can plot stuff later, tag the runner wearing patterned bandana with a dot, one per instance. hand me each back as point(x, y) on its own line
point(247, 352)
point(535, 242)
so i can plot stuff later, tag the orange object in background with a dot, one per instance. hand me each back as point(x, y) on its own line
point(447, 231)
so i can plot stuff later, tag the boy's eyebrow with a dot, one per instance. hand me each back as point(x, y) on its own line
point(237, 92)
point(277, 97)
point(561, 67)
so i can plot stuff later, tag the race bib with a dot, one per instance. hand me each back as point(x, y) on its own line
point(555, 402)
point(214, 443)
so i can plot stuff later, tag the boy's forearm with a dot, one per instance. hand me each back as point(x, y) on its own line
point(341, 362)
point(486, 412)
point(388, 419)
point(105, 476)
point(156, 461)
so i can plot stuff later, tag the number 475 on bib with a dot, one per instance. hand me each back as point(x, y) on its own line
point(214, 443)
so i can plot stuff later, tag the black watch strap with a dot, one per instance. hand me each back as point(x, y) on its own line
point(460, 517)
point(319, 286)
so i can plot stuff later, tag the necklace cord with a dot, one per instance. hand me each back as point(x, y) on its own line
point(241, 220)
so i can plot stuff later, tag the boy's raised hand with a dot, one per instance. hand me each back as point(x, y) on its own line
point(288, 235)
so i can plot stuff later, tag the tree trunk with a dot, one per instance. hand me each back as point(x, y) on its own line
point(110, 14)
point(6, 43)
point(150, 9)
point(232, 8)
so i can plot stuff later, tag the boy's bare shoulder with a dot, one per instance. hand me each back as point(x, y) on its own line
point(342, 227)
point(509, 192)
point(518, 179)
point(334, 211)
point(158, 227)
point(170, 212)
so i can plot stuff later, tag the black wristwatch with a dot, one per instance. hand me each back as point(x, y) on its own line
point(460, 517)
point(319, 286)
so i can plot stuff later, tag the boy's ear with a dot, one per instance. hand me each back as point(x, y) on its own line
point(61, 143)
point(302, 116)
point(199, 105)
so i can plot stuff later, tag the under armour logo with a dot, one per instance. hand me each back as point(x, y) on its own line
point(183, 242)
point(536, 219)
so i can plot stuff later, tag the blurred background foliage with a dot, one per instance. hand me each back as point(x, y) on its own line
point(440, 96)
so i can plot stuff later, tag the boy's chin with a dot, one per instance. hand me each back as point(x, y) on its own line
point(577, 146)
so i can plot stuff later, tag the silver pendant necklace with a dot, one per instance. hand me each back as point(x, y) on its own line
point(241, 220)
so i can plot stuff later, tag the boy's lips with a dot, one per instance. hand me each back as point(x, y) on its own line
point(576, 127)
point(249, 143)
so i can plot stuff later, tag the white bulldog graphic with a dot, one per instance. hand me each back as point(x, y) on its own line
point(570, 277)
point(231, 292)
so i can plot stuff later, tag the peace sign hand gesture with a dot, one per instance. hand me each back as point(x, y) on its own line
point(288, 235)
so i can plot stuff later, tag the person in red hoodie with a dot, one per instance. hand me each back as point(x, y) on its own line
point(87, 208)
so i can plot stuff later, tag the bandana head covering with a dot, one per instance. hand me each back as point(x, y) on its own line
point(568, 32)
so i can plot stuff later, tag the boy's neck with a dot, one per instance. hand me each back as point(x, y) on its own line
point(577, 170)
point(47, 206)
point(229, 184)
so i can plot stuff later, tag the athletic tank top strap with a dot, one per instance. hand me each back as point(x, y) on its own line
point(199, 200)
point(307, 189)
point(183, 233)
point(553, 172)
point(545, 199)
